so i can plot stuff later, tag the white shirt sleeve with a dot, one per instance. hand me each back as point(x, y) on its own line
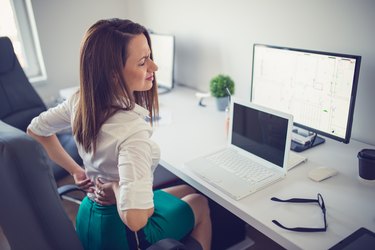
point(135, 169)
point(53, 120)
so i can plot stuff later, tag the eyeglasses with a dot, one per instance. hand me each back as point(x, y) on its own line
point(319, 200)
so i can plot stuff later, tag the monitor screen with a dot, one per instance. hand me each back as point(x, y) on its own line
point(317, 88)
point(163, 54)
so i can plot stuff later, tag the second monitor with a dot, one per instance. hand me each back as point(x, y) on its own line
point(317, 88)
point(163, 50)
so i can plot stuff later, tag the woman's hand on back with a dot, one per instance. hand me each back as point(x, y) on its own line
point(83, 182)
point(104, 193)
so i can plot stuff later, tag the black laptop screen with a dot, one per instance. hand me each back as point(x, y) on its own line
point(259, 133)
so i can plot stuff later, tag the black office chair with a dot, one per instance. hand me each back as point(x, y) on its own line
point(31, 213)
point(20, 103)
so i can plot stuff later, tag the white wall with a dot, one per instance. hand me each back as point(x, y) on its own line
point(216, 36)
point(61, 26)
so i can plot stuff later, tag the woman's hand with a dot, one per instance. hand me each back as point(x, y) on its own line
point(104, 193)
point(82, 181)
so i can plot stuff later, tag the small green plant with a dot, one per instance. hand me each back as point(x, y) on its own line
point(219, 84)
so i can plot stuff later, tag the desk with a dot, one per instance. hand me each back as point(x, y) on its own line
point(195, 130)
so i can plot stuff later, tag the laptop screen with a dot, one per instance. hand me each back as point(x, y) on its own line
point(260, 133)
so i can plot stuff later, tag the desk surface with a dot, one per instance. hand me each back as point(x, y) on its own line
point(190, 130)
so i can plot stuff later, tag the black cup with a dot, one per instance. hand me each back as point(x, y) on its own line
point(366, 159)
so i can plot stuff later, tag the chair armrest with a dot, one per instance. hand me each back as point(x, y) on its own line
point(66, 189)
point(167, 244)
point(188, 243)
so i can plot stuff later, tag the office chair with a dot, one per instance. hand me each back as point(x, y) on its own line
point(20, 103)
point(31, 213)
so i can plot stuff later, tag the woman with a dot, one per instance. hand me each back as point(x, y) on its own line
point(118, 92)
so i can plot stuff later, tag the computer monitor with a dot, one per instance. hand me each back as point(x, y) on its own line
point(317, 88)
point(163, 50)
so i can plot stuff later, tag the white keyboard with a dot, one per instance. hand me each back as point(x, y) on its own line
point(233, 174)
point(241, 166)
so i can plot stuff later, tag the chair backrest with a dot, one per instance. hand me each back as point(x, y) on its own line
point(31, 213)
point(19, 102)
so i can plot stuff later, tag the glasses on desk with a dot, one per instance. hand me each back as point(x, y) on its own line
point(319, 200)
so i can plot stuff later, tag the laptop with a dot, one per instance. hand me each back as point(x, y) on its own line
point(256, 155)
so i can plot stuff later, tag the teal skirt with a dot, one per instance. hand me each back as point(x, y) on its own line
point(100, 227)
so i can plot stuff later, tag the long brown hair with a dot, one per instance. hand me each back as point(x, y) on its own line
point(103, 90)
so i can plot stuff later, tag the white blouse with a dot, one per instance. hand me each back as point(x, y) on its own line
point(124, 150)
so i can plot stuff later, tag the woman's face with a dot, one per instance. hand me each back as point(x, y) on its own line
point(139, 68)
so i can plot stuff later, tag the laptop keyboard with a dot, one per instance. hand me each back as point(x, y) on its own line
point(240, 166)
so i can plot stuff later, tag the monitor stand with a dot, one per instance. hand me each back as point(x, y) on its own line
point(304, 140)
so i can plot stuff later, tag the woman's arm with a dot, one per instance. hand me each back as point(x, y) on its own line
point(134, 219)
point(133, 191)
point(58, 154)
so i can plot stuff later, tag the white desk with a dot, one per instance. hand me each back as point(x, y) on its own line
point(350, 204)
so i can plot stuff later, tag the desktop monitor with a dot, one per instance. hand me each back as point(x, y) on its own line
point(163, 50)
point(317, 88)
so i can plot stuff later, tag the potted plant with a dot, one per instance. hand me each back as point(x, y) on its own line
point(219, 87)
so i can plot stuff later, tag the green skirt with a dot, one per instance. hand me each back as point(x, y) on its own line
point(100, 227)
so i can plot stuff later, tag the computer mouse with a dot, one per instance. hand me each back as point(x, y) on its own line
point(321, 173)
